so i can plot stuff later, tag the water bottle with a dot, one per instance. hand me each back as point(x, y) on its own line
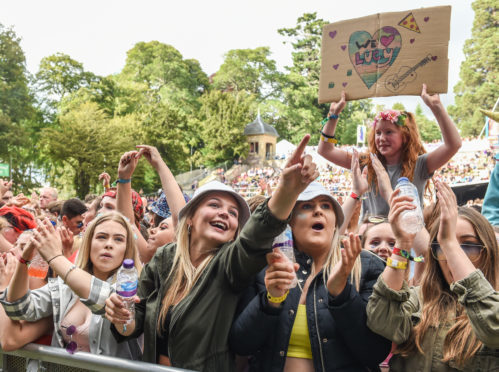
point(284, 242)
point(411, 221)
point(126, 285)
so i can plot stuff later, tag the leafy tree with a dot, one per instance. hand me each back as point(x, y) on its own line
point(398, 106)
point(249, 70)
point(223, 117)
point(87, 143)
point(428, 129)
point(479, 84)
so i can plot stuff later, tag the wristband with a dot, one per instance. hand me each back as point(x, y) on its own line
point(53, 258)
point(354, 196)
point(68, 272)
point(330, 140)
point(395, 264)
point(405, 254)
point(23, 261)
point(333, 116)
point(277, 300)
point(122, 180)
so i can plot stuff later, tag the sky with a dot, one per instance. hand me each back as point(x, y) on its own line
point(99, 33)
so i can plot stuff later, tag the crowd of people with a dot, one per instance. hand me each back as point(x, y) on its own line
point(217, 290)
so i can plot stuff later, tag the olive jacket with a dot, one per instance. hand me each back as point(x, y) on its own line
point(200, 323)
point(393, 314)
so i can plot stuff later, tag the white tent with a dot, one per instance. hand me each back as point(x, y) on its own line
point(284, 148)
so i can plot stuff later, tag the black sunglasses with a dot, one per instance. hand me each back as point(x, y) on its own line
point(472, 250)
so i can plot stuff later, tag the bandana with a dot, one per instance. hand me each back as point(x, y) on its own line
point(136, 203)
point(161, 207)
point(19, 218)
point(394, 116)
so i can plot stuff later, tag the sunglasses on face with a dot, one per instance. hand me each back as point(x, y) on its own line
point(79, 225)
point(472, 250)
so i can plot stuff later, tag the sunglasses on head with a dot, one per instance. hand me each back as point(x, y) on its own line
point(377, 219)
point(472, 250)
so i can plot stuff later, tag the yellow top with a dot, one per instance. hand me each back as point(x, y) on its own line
point(299, 342)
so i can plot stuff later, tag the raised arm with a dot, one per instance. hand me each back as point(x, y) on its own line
point(452, 141)
point(169, 185)
point(359, 187)
point(327, 141)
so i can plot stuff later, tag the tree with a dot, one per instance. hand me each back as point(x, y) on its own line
point(428, 129)
point(223, 117)
point(86, 141)
point(398, 106)
point(249, 70)
point(479, 84)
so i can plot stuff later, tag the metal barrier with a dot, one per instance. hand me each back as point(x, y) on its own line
point(58, 360)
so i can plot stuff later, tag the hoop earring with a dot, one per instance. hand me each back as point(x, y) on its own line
point(189, 227)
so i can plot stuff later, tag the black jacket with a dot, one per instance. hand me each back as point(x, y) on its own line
point(339, 336)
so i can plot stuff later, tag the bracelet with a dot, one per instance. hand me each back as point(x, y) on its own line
point(327, 135)
point(407, 255)
point(354, 196)
point(57, 255)
point(330, 139)
point(395, 264)
point(23, 261)
point(123, 180)
point(277, 300)
point(69, 271)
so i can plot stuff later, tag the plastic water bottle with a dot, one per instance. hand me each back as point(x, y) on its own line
point(284, 242)
point(411, 221)
point(126, 285)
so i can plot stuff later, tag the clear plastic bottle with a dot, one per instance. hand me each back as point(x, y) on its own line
point(411, 220)
point(126, 285)
point(284, 242)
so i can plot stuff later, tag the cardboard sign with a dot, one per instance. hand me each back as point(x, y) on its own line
point(386, 54)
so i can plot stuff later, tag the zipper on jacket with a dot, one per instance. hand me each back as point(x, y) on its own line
point(317, 326)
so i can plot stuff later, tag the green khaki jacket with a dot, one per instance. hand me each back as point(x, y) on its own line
point(392, 314)
point(200, 323)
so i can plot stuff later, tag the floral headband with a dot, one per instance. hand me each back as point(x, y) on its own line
point(395, 116)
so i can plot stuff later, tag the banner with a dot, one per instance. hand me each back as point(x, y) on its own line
point(386, 54)
point(361, 133)
point(4, 170)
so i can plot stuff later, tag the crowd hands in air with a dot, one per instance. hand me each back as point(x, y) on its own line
point(361, 292)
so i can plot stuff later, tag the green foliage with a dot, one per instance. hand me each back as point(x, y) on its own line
point(355, 113)
point(249, 70)
point(86, 141)
point(223, 117)
point(428, 129)
point(398, 106)
point(479, 84)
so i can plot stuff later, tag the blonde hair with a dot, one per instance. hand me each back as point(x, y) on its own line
point(460, 343)
point(183, 274)
point(83, 261)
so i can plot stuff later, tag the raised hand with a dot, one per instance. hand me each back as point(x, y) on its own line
point(299, 171)
point(5, 186)
point(384, 184)
point(339, 274)
point(151, 154)
point(448, 213)
point(359, 179)
point(47, 240)
point(67, 240)
point(398, 204)
point(127, 165)
point(19, 200)
point(337, 107)
point(432, 101)
point(106, 179)
point(7, 266)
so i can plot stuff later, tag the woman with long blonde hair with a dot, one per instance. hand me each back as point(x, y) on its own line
point(320, 324)
point(451, 321)
point(80, 288)
point(188, 292)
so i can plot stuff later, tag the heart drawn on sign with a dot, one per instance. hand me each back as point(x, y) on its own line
point(373, 55)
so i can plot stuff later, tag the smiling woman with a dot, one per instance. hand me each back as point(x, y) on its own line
point(68, 298)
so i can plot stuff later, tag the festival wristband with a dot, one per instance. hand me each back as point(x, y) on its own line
point(354, 196)
point(405, 254)
point(330, 140)
point(23, 261)
point(121, 180)
point(277, 300)
point(394, 264)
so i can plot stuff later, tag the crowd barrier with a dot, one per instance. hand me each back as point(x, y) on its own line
point(58, 360)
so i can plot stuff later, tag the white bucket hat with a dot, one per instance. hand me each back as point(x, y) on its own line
point(314, 190)
point(213, 186)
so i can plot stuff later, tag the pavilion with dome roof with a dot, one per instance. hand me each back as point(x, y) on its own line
point(261, 138)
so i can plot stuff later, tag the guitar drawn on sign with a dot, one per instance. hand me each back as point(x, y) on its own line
point(406, 75)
